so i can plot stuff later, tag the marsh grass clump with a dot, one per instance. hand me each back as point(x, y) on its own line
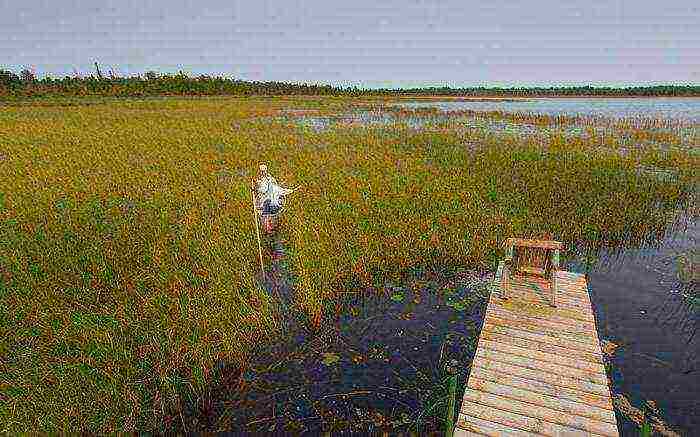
point(119, 300)
point(423, 198)
point(128, 256)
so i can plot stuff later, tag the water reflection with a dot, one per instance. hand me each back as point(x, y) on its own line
point(684, 109)
point(647, 309)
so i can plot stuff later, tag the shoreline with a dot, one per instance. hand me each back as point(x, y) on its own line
point(515, 99)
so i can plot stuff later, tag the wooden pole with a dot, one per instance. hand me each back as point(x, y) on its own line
point(452, 392)
point(257, 229)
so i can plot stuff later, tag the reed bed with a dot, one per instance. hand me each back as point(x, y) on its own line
point(128, 262)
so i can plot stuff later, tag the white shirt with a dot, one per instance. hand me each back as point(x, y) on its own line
point(269, 189)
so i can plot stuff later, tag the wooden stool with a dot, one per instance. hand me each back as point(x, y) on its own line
point(531, 257)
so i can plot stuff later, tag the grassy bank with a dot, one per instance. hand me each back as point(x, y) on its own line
point(128, 257)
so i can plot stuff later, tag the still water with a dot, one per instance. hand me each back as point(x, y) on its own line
point(647, 307)
point(674, 108)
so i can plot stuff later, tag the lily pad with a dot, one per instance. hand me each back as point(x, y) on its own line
point(398, 297)
point(459, 306)
point(330, 358)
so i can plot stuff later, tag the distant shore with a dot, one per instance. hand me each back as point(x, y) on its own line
point(519, 99)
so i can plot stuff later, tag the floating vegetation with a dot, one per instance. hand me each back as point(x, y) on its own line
point(647, 417)
point(688, 266)
point(608, 347)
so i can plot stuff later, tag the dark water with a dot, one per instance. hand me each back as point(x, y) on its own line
point(643, 307)
point(686, 109)
point(377, 362)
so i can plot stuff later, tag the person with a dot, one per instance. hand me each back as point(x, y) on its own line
point(269, 194)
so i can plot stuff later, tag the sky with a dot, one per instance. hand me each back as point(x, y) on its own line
point(366, 43)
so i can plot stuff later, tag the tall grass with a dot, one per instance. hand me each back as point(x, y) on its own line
point(384, 201)
point(127, 252)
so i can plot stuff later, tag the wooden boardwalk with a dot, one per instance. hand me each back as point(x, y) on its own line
point(538, 370)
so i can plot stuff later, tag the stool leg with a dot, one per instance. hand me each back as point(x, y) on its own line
point(505, 278)
point(555, 269)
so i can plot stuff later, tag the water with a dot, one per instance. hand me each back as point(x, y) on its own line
point(686, 109)
point(642, 307)
point(355, 118)
point(378, 363)
point(389, 120)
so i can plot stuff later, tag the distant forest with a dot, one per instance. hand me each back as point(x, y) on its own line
point(26, 84)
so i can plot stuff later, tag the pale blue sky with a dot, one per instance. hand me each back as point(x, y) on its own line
point(363, 42)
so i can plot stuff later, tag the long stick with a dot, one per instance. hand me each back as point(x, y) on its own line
point(452, 389)
point(257, 229)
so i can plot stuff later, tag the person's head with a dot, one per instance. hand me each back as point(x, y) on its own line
point(263, 170)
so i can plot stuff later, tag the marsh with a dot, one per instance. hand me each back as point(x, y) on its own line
point(131, 296)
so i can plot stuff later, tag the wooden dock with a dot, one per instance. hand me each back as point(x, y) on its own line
point(538, 370)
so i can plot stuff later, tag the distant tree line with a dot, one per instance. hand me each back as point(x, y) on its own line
point(26, 84)
point(658, 90)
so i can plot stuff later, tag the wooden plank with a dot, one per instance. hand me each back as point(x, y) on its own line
point(571, 275)
point(543, 298)
point(543, 376)
point(539, 412)
point(575, 281)
point(576, 287)
point(530, 363)
point(566, 286)
point(542, 356)
point(542, 244)
point(544, 281)
point(521, 299)
point(541, 323)
point(532, 425)
point(573, 289)
point(537, 290)
point(468, 425)
point(543, 400)
point(600, 401)
point(545, 314)
point(535, 328)
point(541, 337)
point(458, 432)
point(549, 347)
point(530, 305)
